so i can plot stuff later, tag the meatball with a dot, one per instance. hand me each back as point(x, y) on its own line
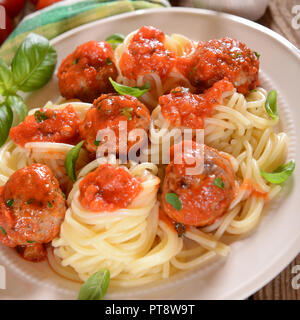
point(203, 196)
point(146, 54)
point(32, 208)
point(85, 73)
point(215, 59)
point(48, 125)
point(108, 112)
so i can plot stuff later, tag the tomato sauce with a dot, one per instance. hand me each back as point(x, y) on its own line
point(255, 190)
point(147, 54)
point(48, 125)
point(215, 59)
point(108, 188)
point(108, 111)
point(184, 109)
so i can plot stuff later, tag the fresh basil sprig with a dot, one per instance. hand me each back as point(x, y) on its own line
point(281, 174)
point(131, 91)
point(34, 63)
point(174, 201)
point(95, 287)
point(71, 159)
point(271, 104)
point(6, 120)
point(32, 67)
point(115, 39)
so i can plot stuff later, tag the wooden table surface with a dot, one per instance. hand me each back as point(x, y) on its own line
point(277, 17)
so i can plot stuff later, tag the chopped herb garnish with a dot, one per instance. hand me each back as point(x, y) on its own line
point(108, 61)
point(180, 228)
point(29, 241)
point(50, 205)
point(257, 54)
point(96, 143)
point(3, 231)
point(9, 202)
point(174, 201)
point(219, 183)
point(40, 116)
point(30, 201)
point(75, 61)
point(127, 113)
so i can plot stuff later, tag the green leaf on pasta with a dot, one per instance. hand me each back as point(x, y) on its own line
point(33, 63)
point(96, 286)
point(281, 174)
point(271, 104)
point(6, 120)
point(115, 39)
point(131, 91)
point(71, 159)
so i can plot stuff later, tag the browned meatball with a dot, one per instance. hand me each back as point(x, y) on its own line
point(32, 207)
point(108, 112)
point(84, 74)
point(214, 60)
point(204, 196)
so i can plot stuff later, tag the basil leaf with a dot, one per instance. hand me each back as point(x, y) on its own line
point(6, 79)
point(17, 103)
point(271, 104)
point(174, 201)
point(219, 183)
point(6, 120)
point(115, 39)
point(257, 54)
point(95, 287)
point(131, 91)
point(281, 174)
point(71, 159)
point(34, 63)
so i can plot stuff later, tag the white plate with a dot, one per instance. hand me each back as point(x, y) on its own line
point(254, 259)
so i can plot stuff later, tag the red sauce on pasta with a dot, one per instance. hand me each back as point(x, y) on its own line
point(48, 125)
point(255, 190)
point(147, 54)
point(184, 109)
point(108, 188)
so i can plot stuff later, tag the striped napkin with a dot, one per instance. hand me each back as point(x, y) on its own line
point(69, 14)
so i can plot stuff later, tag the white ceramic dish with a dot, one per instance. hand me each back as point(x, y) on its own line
point(254, 259)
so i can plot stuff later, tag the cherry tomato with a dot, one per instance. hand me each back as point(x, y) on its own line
point(13, 7)
point(41, 4)
point(4, 33)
